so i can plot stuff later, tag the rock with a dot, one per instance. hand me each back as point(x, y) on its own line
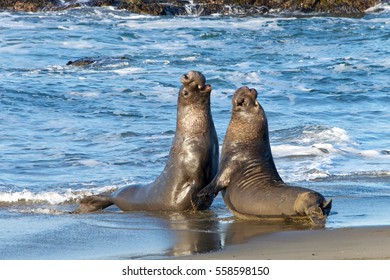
point(202, 7)
point(28, 5)
point(81, 62)
point(99, 62)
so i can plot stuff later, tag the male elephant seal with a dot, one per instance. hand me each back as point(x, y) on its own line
point(250, 184)
point(192, 162)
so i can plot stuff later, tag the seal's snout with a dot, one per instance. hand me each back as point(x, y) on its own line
point(184, 79)
point(205, 88)
point(240, 101)
point(195, 81)
point(245, 96)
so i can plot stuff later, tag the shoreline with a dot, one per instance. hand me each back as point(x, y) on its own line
point(200, 7)
point(352, 243)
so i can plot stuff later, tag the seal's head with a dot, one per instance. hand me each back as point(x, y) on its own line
point(248, 121)
point(194, 89)
point(193, 106)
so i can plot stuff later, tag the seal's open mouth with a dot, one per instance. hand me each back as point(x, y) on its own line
point(244, 97)
point(204, 88)
point(241, 102)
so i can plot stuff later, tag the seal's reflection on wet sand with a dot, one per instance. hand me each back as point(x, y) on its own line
point(198, 233)
point(190, 233)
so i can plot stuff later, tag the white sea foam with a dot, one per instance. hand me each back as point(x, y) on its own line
point(316, 151)
point(303, 88)
point(265, 24)
point(189, 59)
point(19, 50)
point(90, 162)
point(127, 71)
point(302, 166)
point(380, 8)
point(299, 151)
point(249, 77)
point(320, 135)
point(45, 211)
point(50, 197)
point(156, 61)
point(28, 196)
point(85, 94)
point(342, 67)
point(323, 150)
point(77, 45)
point(68, 28)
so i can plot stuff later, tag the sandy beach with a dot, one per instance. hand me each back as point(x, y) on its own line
point(322, 244)
point(209, 235)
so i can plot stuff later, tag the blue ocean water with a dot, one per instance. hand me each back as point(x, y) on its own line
point(68, 131)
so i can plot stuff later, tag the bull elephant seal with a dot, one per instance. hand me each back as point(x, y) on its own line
point(192, 162)
point(250, 184)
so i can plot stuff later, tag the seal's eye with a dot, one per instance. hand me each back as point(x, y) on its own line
point(185, 93)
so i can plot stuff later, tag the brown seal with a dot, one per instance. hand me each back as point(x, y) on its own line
point(192, 162)
point(250, 184)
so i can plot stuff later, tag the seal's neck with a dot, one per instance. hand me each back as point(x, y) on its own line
point(254, 151)
point(193, 119)
point(249, 136)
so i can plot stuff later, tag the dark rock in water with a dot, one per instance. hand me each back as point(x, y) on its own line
point(143, 7)
point(29, 5)
point(202, 7)
point(81, 62)
point(336, 6)
point(99, 61)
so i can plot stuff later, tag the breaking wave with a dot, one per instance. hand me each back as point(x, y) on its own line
point(56, 197)
point(317, 152)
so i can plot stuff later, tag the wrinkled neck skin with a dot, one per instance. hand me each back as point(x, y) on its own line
point(193, 120)
point(250, 148)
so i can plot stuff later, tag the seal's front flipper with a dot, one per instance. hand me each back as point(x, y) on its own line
point(220, 182)
point(93, 203)
point(210, 190)
point(202, 202)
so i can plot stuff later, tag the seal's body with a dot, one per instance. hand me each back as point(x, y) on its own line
point(192, 162)
point(250, 184)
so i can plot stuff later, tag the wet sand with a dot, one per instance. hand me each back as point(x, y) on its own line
point(321, 244)
point(31, 233)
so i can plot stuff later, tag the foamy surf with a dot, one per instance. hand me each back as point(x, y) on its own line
point(380, 8)
point(316, 152)
point(68, 196)
point(39, 210)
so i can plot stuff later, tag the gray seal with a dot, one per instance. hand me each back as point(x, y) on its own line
point(192, 162)
point(248, 179)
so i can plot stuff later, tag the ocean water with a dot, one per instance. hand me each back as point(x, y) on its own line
point(67, 131)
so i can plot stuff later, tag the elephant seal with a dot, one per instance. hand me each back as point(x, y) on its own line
point(192, 162)
point(250, 184)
